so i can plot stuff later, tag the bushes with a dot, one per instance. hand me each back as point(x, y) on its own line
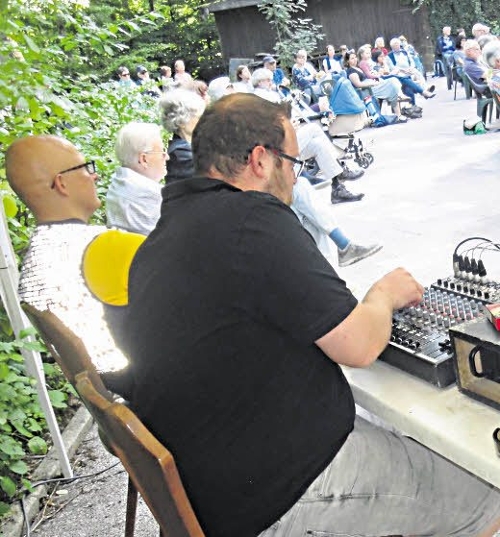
point(46, 49)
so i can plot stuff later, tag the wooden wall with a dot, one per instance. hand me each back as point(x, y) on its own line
point(245, 32)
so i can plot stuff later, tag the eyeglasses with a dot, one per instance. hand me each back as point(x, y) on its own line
point(298, 165)
point(164, 153)
point(125, 74)
point(89, 166)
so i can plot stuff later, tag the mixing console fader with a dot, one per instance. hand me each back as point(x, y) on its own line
point(420, 342)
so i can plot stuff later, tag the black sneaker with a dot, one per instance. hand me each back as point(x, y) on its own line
point(340, 194)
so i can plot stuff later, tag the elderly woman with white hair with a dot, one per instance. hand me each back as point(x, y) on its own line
point(133, 200)
point(180, 111)
point(491, 56)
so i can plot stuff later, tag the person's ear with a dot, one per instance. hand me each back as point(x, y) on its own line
point(143, 160)
point(260, 161)
point(60, 184)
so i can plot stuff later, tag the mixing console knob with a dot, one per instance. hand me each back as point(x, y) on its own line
point(439, 320)
point(479, 293)
point(486, 295)
point(432, 317)
point(445, 284)
point(446, 322)
point(439, 281)
point(452, 285)
point(466, 289)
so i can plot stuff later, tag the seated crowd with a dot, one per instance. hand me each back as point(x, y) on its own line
point(236, 322)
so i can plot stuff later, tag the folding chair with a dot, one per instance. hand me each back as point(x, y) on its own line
point(150, 466)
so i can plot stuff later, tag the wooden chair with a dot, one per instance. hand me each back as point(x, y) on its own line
point(150, 466)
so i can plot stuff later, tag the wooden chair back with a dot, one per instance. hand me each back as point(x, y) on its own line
point(65, 347)
point(149, 464)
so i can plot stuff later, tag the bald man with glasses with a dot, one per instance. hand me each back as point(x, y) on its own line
point(57, 184)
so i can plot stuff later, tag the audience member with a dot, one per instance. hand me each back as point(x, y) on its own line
point(166, 80)
point(445, 46)
point(329, 63)
point(220, 86)
point(475, 69)
point(491, 55)
point(181, 77)
point(317, 217)
point(133, 200)
point(380, 46)
point(240, 332)
point(262, 82)
point(279, 78)
point(180, 111)
point(306, 77)
point(387, 89)
point(401, 60)
point(459, 55)
point(148, 86)
point(243, 79)
point(55, 182)
point(479, 29)
point(124, 80)
point(201, 88)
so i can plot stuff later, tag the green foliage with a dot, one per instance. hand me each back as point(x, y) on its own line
point(22, 422)
point(49, 50)
point(292, 32)
point(460, 14)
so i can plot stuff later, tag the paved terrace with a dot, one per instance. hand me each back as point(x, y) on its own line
point(429, 188)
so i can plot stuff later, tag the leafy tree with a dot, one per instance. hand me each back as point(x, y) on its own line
point(460, 13)
point(292, 32)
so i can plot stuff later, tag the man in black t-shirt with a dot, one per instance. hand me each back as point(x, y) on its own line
point(235, 330)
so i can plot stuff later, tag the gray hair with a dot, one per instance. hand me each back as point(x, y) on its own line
point(261, 74)
point(394, 40)
point(133, 139)
point(483, 40)
point(178, 107)
point(491, 52)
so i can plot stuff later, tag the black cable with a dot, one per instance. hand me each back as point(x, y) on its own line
point(58, 480)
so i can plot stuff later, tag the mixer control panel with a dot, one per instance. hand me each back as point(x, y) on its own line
point(420, 342)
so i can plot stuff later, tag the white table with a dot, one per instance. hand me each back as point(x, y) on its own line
point(445, 420)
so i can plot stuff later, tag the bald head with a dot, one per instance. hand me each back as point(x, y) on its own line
point(33, 167)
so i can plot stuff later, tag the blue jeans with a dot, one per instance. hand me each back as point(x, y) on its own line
point(408, 86)
point(382, 483)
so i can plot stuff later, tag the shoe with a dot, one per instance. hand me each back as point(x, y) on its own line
point(402, 119)
point(340, 194)
point(350, 175)
point(403, 99)
point(354, 253)
point(427, 95)
point(431, 89)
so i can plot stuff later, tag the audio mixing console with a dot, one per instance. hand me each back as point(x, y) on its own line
point(420, 342)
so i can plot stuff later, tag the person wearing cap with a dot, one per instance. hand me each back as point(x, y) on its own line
point(143, 80)
point(279, 78)
point(57, 184)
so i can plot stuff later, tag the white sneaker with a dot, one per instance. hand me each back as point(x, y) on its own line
point(354, 253)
